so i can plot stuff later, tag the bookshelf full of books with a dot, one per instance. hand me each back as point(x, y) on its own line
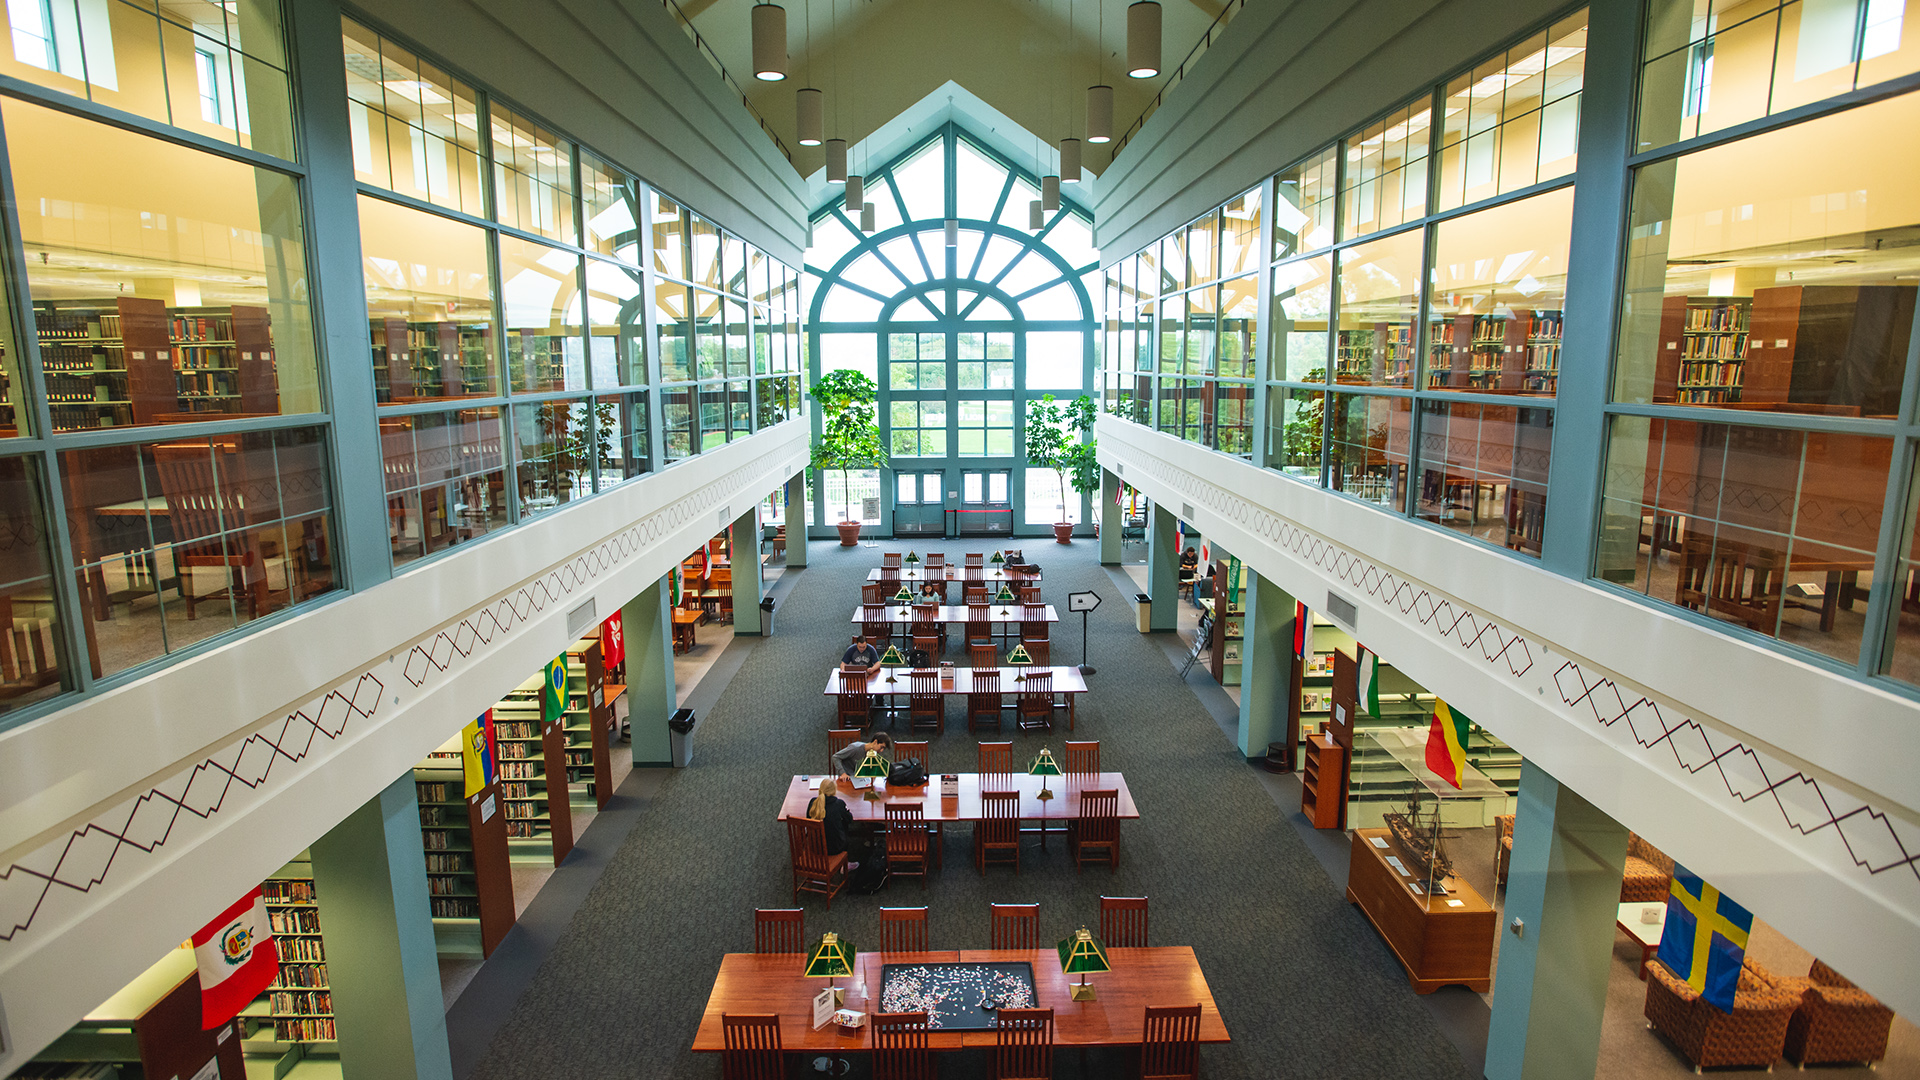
point(1377, 355)
point(134, 360)
point(298, 1005)
point(578, 726)
point(519, 743)
point(1702, 358)
point(413, 360)
point(446, 837)
point(1510, 352)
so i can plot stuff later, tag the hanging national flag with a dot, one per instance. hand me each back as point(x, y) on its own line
point(476, 753)
point(1705, 938)
point(553, 703)
point(613, 641)
point(1206, 554)
point(673, 587)
point(1302, 632)
point(1447, 743)
point(237, 960)
point(1366, 680)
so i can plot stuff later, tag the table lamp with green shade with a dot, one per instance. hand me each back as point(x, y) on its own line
point(891, 659)
point(1043, 766)
point(1018, 658)
point(911, 559)
point(904, 598)
point(1005, 597)
point(833, 956)
point(1081, 953)
point(873, 767)
point(998, 561)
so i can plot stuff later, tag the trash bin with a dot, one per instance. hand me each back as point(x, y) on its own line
point(766, 617)
point(1143, 612)
point(680, 724)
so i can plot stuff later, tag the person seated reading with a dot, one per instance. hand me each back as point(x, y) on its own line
point(827, 807)
point(861, 656)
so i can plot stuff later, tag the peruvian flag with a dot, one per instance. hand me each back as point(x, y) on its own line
point(613, 641)
point(237, 959)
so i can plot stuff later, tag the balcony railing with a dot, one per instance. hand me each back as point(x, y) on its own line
point(706, 50)
point(1207, 39)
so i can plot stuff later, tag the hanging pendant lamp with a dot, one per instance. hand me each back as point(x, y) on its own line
point(1069, 161)
point(1143, 40)
point(809, 112)
point(856, 192)
point(836, 161)
point(1049, 193)
point(769, 42)
point(866, 218)
point(1036, 216)
point(1099, 114)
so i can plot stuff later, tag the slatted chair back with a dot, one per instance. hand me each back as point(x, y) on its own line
point(1036, 702)
point(814, 870)
point(1023, 1044)
point(926, 706)
point(906, 843)
point(976, 558)
point(873, 593)
point(1170, 1043)
point(983, 701)
point(996, 836)
point(779, 930)
point(913, 750)
point(929, 644)
point(1096, 832)
point(875, 624)
point(838, 740)
point(996, 760)
point(981, 656)
point(1039, 649)
point(202, 506)
point(900, 1047)
point(1123, 922)
point(889, 558)
point(903, 929)
point(752, 1047)
point(853, 705)
point(1014, 926)
point(1080, 758)
point(1029, 593)
point(973, 594)
point(935, 560)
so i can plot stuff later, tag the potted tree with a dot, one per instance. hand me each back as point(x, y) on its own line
point(1060, 437)
point(849, 433)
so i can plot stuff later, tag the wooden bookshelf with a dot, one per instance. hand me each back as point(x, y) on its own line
point(464, 840)
point(1703, 351)
point(151, 1028)
point(1321, 770)
point(1378, 355)
point(297, 1007)
point(1517, 353)
point(533, 770)
point(133, 360)
point(589, 714)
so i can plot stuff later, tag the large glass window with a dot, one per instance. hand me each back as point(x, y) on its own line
point(32, 651)
point(1499, 283)
point(446, 479)
point(1380, 292)
point(415, 128)
point(532, 176)
point(429, 304)
point(540, 308)
point(1386, 178)
point(1483, 471)
point(1514, 120)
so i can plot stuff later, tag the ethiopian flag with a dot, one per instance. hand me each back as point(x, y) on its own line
point(554, 701)
point(1447, 742)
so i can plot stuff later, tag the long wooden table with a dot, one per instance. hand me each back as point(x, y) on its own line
point(774, 983)
point(966, 806)
point(971, 575)
point(1066, 680)
point(999, 614)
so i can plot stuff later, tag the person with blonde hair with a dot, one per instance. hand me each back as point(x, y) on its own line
point(827, 807)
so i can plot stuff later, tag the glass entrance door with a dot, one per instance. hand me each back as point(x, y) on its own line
point(986, 502)
point(919, 504)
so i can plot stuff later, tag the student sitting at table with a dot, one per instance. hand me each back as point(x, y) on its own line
point(931, 593)
point(849, 757)
point(860, 656)
point(827, 807)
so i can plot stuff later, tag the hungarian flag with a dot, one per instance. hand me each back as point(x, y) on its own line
point(1366, 680)
point(237, 960)
point(1447, 743)
point(554, 701)
point(477, 753)
point(613, 641)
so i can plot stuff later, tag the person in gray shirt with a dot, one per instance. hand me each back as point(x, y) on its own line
point(850, 756)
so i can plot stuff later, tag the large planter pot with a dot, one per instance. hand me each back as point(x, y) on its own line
point(849, 533)
point(1063, 532)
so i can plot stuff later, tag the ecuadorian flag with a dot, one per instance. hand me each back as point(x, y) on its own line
point(553, 702)
point(476, 753)
point(1447, 743)
point(1705, 938)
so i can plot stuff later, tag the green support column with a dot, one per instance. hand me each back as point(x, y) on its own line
point(1266, 667)
point(747, 583)
point(371, 878)
point(1563, 885)
point(650, 693)
point(1163, 569)
point(1112, 521)
point(797, 514)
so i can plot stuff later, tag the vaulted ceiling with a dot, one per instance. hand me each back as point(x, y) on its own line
point(1031, 60)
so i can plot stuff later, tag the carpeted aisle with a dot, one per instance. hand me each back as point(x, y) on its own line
point(1306, 987)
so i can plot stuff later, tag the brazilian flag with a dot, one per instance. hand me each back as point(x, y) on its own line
point(554, 701)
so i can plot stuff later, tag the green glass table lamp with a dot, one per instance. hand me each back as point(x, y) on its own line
point(1019, 657)
point(833, 956)
point(1043, 766)
point(1081, 953)
point(891, 659)
point(873, 767)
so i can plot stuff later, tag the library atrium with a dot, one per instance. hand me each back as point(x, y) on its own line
point(1467, 453)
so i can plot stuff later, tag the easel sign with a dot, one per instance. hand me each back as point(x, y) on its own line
point(825, 1004)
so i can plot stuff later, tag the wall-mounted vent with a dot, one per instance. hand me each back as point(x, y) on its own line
point(580, 620)
point(726, 516)
point(1186, 511)
point(1343, 610)
point(1119, 469)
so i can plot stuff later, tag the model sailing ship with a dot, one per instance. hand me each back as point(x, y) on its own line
point(1417, 834)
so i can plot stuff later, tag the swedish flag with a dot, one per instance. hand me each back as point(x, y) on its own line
point(1705, 939)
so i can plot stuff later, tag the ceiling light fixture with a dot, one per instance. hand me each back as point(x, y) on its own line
point(1069, 161)
point(1099, 114)
point(809, 113)
point(769, 42)
point(856, 192)
point(1050, 193)
point(866, 218)
point(1143, 40)
point(836, 161)
point(1036, 216)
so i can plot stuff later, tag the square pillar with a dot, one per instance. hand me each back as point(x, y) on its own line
point(798, 512)
point(1266, 667)
point(1163, 569)
point(1112, 520)
point(1563, 884)
point(382, 965)
point(748, 586)
point(650, 691)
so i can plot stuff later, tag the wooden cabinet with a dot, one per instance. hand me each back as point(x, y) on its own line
point(1439, 940)
point(1321, 773)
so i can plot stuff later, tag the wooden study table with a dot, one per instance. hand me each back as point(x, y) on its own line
point(1440, 940)
point(684, 620)
point(1066, 680)
point(937, 809)
point(972, 575)
point(775, 983)
point(998, 614)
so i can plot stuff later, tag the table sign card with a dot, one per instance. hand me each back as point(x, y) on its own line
point(824, 1004)
point(949, 785)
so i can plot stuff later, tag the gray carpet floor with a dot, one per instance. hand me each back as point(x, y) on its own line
point(1305, 985)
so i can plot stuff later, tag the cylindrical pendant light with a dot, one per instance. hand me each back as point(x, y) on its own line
point(1143, 40)
point(1050, 193)
point(836, 161)
point(1069, 161)
point(953, 232)
point(809, 112)
point(769, 42)
point(1099, 114)
point(1036, 216)
point(856, 192)
point(866, 218)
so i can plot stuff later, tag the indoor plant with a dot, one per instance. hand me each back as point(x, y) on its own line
point(849, 432)
point(1060, 437)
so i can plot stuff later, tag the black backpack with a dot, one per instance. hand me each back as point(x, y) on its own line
point(908, 773)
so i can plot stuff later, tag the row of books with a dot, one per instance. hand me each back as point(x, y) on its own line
point(301, 1001)
point(514, 789)
point(448, 886)
point(521, 811)
point(73, 359)
point(302, 975)
point(522, 829)
point(285, 891)
point(435, 839)
point(294, 921)
point(98, 394)
point(1717, 317)
point(518, 729)
point(301, 950)
point(431, 815)
point(433, 792)
point(74, 326)
point(520, 770)
point(509, 750)
point(446, 864)
point(455, 909)
point(315, 1029)
point(1716, 347)
point(1709, 373)
point(201, 328)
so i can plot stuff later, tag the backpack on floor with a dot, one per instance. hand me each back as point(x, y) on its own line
point(872, 875)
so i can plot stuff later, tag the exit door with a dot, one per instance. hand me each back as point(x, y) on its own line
point(986, 502)
point(919, 504)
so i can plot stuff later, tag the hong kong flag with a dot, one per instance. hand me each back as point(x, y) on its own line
point(613, 641)
point(237, 959)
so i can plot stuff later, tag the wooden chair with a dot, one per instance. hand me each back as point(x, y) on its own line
point(906, 852)
point(973, 594)
point(996, 759)
point(873, 593)
point(916, 749)
point(777, 547)
point(926, 707)
point(977, 558)
point(752, 1047)
point(1743, 582)
point(936, 560)
point(1023, 1044)
point(900, 1047)
point(853, 706)
point(838, 740)
point(1014, 926)
point(720, 594)
point(1080, 758)
point(779, 930)
point(1526, 520)
point(981, 656)
point(1123, 922)
point(927, 623)
point(1029, 593)
point(980, 630)
point(902, 929)
point(876, 626)
point(929, 644)
point(28, 659)
point(889, 558)
point(209, 518)
point(1502, 847)
point(983, 701)
point(1035, 712)
point(814, 870)
point(996, 836)
point(1170, 1043)
point(1040, 649)
point(1033, 622)
point(1097, 830)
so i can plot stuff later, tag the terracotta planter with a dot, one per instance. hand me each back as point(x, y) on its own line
point(849, 533)
point(1063, 532)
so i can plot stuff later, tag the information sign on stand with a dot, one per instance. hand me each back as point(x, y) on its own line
point(1083, 602)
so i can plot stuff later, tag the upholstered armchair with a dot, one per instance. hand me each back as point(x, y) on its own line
point(1754, 1034)
point(1836, 1021)
point(1648, 872)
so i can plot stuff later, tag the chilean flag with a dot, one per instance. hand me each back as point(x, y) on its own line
point(237, 958)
